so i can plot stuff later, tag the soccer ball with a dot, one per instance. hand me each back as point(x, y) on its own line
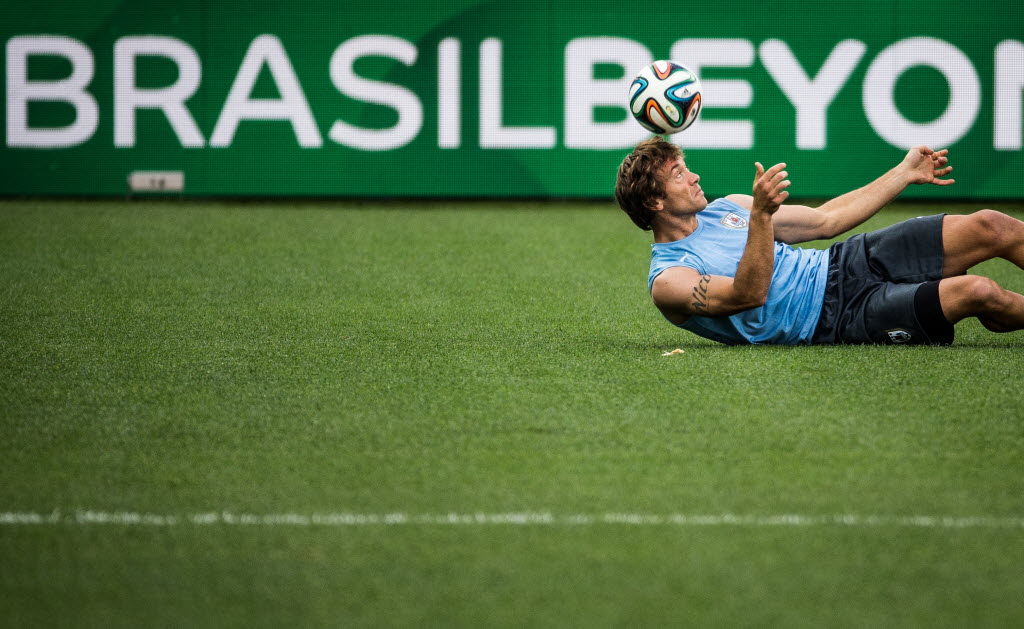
point(665, 97)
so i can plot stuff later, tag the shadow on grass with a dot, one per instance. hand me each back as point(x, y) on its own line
point(994, 344)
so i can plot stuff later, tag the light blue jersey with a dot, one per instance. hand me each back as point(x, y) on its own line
point(797, 291)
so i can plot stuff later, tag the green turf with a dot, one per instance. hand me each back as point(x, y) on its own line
point(324, 358)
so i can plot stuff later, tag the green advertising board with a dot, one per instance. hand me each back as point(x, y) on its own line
point(493, 99)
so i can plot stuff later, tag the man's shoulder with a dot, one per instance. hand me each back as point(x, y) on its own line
point(674, 275)
point(732, 212)
point(739, 204)
point(745, 201)
point(671, 291)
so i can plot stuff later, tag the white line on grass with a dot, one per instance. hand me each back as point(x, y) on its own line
point(86, 517)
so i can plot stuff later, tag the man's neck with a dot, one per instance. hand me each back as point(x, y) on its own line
point(673, 228)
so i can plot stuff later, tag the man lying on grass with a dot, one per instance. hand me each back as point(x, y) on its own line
point(725, 271)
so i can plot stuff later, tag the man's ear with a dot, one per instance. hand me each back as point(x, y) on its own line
point(658, 206)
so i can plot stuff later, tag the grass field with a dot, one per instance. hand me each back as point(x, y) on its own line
point(210, 409)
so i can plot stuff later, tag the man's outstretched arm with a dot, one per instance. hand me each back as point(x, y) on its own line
point(800, 223)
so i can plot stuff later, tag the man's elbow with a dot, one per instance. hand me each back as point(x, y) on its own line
point(749, 301)
point(758, 300)
point(830, 232)
point(829, 228)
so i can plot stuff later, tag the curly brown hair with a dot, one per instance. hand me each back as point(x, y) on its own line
point(639, 185)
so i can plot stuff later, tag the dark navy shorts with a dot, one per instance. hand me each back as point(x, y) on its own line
point(883, 287)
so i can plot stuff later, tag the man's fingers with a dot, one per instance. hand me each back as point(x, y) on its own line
point(941, 172)
point(776, 199)
point(770, 187)
point(771, 184)
point(779, 182)
point(766, 177)
point(771, 171)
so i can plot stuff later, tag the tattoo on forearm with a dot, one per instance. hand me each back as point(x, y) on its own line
point(700, 295)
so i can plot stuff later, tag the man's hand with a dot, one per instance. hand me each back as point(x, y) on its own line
point(769, 188)
point(923, 165)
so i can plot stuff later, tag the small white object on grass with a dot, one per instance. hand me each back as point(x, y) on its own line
point(674, 352)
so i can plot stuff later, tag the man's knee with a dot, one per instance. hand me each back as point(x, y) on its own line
point(982, 293)
point(996, 228)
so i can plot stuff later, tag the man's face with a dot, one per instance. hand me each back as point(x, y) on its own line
point(683, 193)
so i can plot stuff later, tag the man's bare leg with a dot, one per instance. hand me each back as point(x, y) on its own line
point(998, 309)
point(974, 238)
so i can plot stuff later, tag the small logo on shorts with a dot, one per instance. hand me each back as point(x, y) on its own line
point(898, 336)
point(734, 221)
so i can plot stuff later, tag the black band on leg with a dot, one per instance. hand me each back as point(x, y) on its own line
point(928, 309)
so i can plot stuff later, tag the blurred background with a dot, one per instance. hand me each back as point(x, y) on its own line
point(496, 99)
